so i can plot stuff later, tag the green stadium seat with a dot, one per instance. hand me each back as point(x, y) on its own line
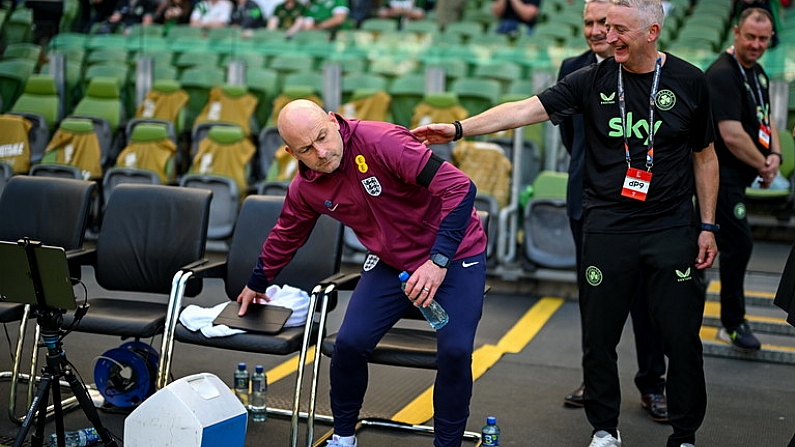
point(406, 91)
point(477, 94)
point(40, 97)
point(14, 75)
point(22, 50)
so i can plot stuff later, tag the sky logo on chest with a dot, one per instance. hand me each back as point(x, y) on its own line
point(638, 129)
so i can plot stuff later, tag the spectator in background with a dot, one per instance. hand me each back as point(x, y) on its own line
point(174, 12)
point(211, 14)
point(46, 20)
point(512, 13)
point(102, 10)
point(247, 15)
point(403, 10)
point(127, 14)
point(321, 15)
point(285, 14)
point(449, 11)
point(773, 7)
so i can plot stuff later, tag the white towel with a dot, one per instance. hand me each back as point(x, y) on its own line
point(292, 298)
point(196, 318)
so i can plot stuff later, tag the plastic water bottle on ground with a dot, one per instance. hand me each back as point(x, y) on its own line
point(434, 313)
point(259, 389)
point(242, 379)
point(490, 435)
point(80, 438)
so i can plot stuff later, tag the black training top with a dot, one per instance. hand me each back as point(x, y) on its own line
point(683, 123)
point(731, 101)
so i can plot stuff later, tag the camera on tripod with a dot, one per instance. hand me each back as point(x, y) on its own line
point(38, 275)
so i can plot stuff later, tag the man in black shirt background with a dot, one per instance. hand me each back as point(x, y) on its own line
point(747, 146)
point(643, 164)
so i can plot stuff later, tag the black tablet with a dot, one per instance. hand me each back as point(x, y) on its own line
point(262, 318)
point(16, 279)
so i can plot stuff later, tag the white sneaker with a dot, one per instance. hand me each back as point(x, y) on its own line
point(335, 441)
point(687, 444)
point(605, 439)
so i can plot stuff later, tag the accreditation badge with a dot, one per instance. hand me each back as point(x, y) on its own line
point(636, 184)
point(764, 135)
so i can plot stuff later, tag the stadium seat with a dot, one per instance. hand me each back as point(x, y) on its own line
point(476, 94)
point(548, 241)
point(14, 75)
point(40, 97)
point(22, 50)
point(197, 83)
point(406, 92)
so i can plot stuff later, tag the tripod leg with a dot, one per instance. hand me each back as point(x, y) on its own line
point(80, 392)
point(38, 438)
point(39, 406)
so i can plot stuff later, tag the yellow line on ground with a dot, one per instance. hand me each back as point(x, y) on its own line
point(714, 287)
point(525, 329)
point(289, 366)
point(421, 408)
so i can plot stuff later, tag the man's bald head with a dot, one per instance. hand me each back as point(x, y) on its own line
point(312, 135)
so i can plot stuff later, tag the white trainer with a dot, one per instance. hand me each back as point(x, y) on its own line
point(687, 444)
point(605, 439)
point(335, 441)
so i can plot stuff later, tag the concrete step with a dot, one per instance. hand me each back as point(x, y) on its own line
point(761, 320)
point(760, 290)
point(771, 352)
point(766, 320)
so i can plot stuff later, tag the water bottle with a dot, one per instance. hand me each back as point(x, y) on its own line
point(80, 438)
point(437, 317)
point(490, 435)
point(259, 388)
point(242, 379)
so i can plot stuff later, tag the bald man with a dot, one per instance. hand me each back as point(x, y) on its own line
point(413, 212)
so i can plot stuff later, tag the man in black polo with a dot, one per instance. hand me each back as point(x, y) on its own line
point(748, 147)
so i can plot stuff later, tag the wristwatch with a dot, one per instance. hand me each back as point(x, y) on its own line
point(440, 260)
point(712, 228)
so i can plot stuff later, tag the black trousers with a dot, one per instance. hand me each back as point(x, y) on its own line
point(735, 243)
point(648, 342)
point(612, 266)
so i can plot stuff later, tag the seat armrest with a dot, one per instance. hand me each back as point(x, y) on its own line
point(73, 258)
point(341, 281)
point(82, 256)
point(207, 269)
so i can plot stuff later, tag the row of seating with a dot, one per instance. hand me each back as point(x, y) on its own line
point(159, 272)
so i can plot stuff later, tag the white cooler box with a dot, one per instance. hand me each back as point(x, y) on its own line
point(194, 411)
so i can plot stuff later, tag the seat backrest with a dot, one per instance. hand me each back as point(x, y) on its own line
point(442, 107)
point(257, 216)
point(477, 94)
point(148, 233)
point(76, 143)
point(224, 205)
point(14, 74)
point(119, 175)
point(226, 151)
point(102, 100)
point(40, 97)
point(5, 176)
point(52, 210)
point(787, 154)
point(313, 79)
point(38, 135)
point(14, 142)
point(406, 92)
point(229, 104)
point(366, 104)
